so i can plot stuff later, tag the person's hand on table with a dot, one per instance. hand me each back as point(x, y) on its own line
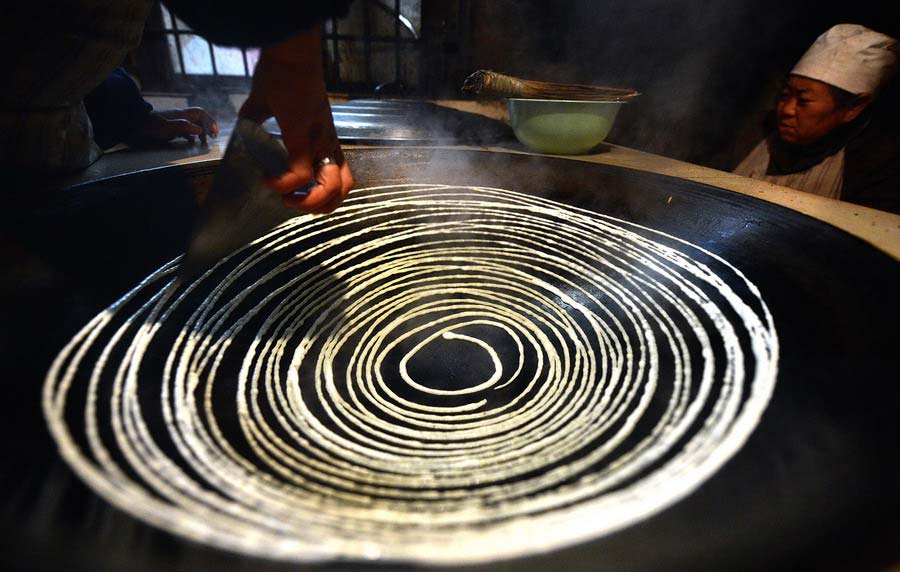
point(163, 126)
point(289, 84)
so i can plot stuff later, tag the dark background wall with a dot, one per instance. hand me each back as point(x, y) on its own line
point(708, 69)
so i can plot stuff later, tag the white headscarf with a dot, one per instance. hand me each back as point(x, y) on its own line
point(851, 57)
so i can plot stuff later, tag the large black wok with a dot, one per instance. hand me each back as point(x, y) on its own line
point(815, 487)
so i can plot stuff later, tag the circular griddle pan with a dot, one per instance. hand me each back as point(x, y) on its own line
point(815, 487)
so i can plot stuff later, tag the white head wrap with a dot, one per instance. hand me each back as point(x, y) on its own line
point(851, 57)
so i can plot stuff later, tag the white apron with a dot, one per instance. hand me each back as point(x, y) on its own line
point(826, 178)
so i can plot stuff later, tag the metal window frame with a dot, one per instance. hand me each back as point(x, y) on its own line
point(334, 37)
point(167, 79)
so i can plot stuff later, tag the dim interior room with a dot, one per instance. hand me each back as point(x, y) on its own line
point(708, 72)
point(483, 349)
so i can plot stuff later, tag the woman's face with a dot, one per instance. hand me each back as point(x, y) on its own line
point(807, 111)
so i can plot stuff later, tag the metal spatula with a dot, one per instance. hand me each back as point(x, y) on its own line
point(239, 208)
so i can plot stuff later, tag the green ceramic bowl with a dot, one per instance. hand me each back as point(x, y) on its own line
point(562, 127)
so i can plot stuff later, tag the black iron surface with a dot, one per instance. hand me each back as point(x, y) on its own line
point(410, 122)
point(814, 488)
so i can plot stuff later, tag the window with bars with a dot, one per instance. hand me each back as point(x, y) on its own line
point(191, 55)
point(377, 44)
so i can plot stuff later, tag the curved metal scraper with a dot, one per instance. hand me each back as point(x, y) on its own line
point(238, 208)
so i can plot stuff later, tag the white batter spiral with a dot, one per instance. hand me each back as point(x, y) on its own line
point(433, 373)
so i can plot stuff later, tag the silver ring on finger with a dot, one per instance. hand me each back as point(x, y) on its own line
point(322, 162)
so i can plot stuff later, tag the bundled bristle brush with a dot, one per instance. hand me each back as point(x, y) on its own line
point(486, 82)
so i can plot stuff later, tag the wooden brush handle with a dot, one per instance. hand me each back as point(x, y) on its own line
point(486, 82)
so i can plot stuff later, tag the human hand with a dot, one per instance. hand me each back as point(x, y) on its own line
point(289, 84)
point(163, 126)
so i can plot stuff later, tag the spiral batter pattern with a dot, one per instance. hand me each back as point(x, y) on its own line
point(433, 373)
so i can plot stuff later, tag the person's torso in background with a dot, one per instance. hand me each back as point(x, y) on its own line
point(825, 178)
